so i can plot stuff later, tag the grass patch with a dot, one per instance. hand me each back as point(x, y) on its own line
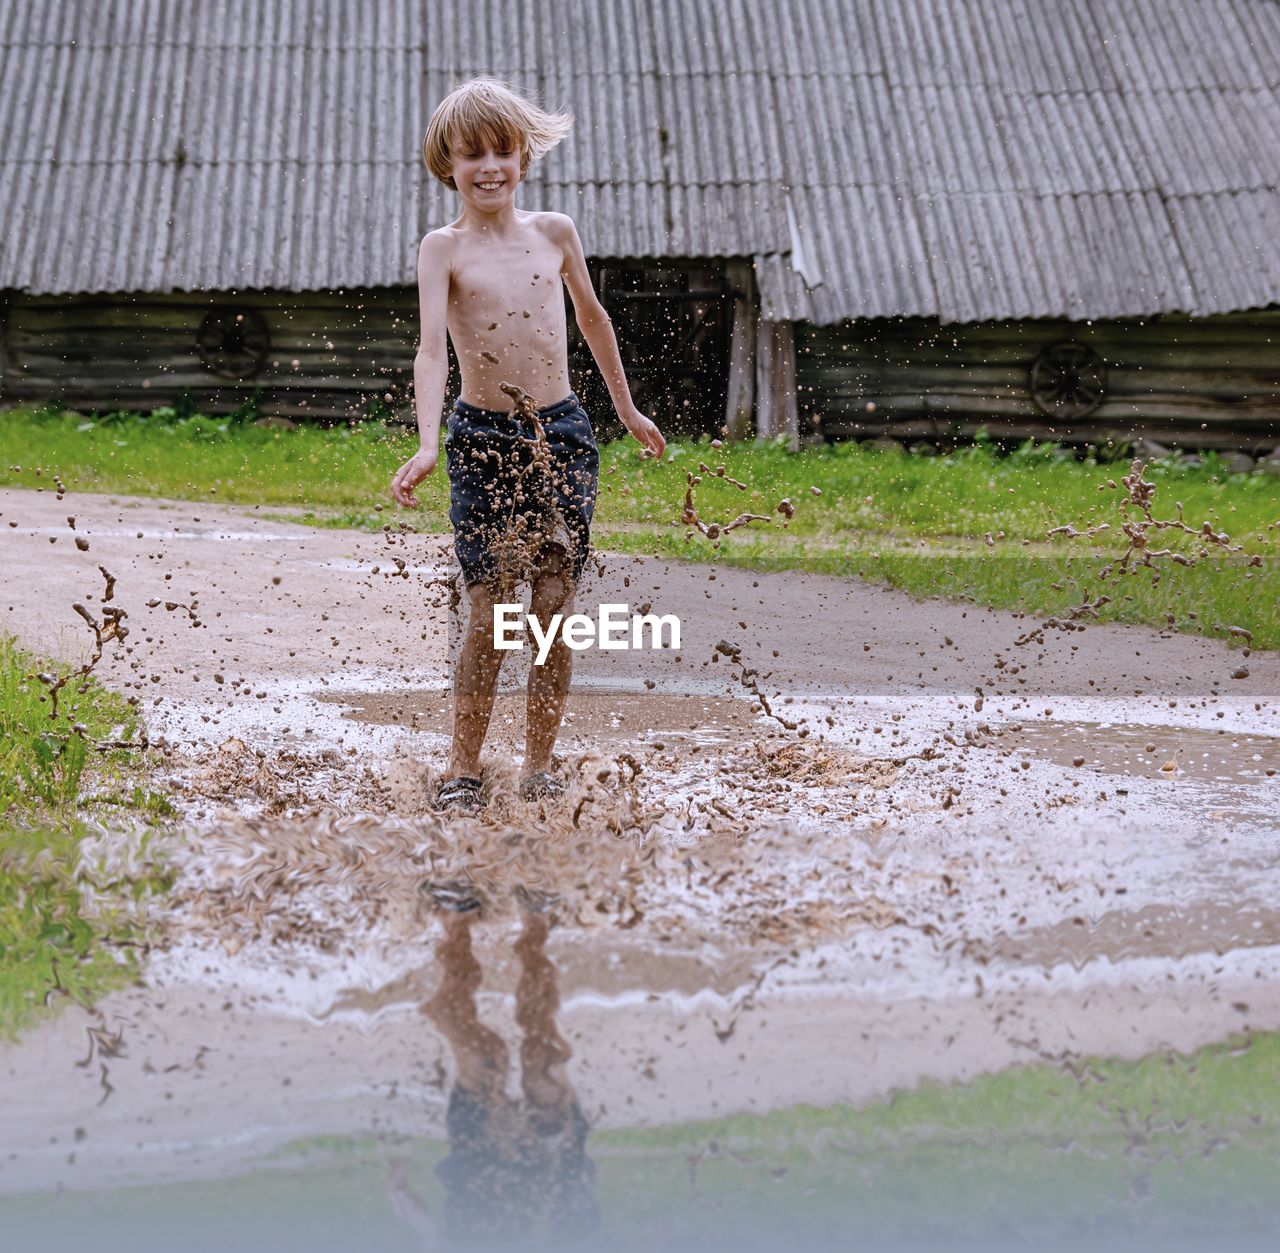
point(207, 458)
point(70, 911)
point(971, 525)
point(43, 760)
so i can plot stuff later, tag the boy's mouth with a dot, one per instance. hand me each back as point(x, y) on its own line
point(490, 186)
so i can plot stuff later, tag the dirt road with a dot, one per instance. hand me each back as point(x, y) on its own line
point(921, 859)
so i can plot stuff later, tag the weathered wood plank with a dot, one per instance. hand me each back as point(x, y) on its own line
point(1180, 373)
point(741, 390)
point(1071, 433)
point(107, 353)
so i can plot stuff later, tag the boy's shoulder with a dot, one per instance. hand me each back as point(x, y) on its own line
point(437, 247)
point(441, 237)
point(556, 226)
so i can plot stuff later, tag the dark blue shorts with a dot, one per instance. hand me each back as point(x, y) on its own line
point(506, 514)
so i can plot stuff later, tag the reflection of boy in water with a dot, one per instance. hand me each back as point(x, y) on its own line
point(517, 1169)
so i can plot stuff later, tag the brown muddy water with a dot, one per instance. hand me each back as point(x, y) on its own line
point(960, 966)
point(591, 714)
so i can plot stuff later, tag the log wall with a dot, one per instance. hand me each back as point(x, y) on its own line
point(1205, 382)
point(330, 351)
point(1211, 382)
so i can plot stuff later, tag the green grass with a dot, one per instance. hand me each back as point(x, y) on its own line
point(69, 916)
point(43, 759)
point(918, 523)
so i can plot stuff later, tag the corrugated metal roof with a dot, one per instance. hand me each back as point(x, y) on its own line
point(961, 158)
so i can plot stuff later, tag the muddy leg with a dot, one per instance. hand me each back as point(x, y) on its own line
point(475, 682)
point(548, 683)
point(479, 1054)
point(543, 1050)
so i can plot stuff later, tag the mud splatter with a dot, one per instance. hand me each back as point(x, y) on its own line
point(1140, 527)
point(750, 679)
point(621, 848)
point(111, 627)
point(713, 530)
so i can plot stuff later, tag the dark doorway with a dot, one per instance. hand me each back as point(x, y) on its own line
point(673, 321)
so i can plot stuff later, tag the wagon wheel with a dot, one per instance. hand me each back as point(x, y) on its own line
point(1068, 381)
point(233, 342)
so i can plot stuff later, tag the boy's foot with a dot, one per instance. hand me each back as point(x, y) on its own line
point(460, 794)
point(535, 900)
point(540, 784)
point(457, 896)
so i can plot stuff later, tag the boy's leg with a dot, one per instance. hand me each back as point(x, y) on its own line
point(544, 1052)
point(478, 1052)
point(548, 689)
point(475, 682)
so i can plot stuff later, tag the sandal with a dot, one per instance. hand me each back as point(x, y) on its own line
point(460, 794)
point(540, 785)
point(456, 896)
point(535, 900)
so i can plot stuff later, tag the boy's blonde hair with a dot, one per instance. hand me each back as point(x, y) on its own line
point(484, 110)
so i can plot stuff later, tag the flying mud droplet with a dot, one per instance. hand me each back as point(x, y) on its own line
point(749, 679)
point(713, 530)
point(111, 627)
point(1235, 632)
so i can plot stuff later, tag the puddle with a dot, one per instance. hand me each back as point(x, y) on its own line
point(592, 713)
point(1151, 752)
point(522, 1084)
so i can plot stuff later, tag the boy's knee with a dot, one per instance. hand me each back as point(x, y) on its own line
point(551, 594)
point(481, 599)
point(553, 585)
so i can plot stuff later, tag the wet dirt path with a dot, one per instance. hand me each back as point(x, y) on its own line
point(927, 863)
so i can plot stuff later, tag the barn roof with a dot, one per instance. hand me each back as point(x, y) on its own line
point(961, 158)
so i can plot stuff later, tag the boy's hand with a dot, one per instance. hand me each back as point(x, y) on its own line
point(422, 463)
point(644, 430)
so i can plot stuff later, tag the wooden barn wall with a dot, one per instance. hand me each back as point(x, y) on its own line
point(1209, 382)
point(330, 351)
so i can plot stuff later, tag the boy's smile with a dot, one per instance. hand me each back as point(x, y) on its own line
point(486, 179)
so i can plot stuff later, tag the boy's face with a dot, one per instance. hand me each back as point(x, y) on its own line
point(486, 171)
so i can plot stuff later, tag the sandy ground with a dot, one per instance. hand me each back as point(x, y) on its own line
point(964, 854)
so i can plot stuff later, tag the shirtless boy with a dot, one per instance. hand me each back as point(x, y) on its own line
point(492, 278)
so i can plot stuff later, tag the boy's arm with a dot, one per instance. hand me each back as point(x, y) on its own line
point(597, 329)
point(430, 365)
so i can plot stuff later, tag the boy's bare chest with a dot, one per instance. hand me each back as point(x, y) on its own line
point(501, 282)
